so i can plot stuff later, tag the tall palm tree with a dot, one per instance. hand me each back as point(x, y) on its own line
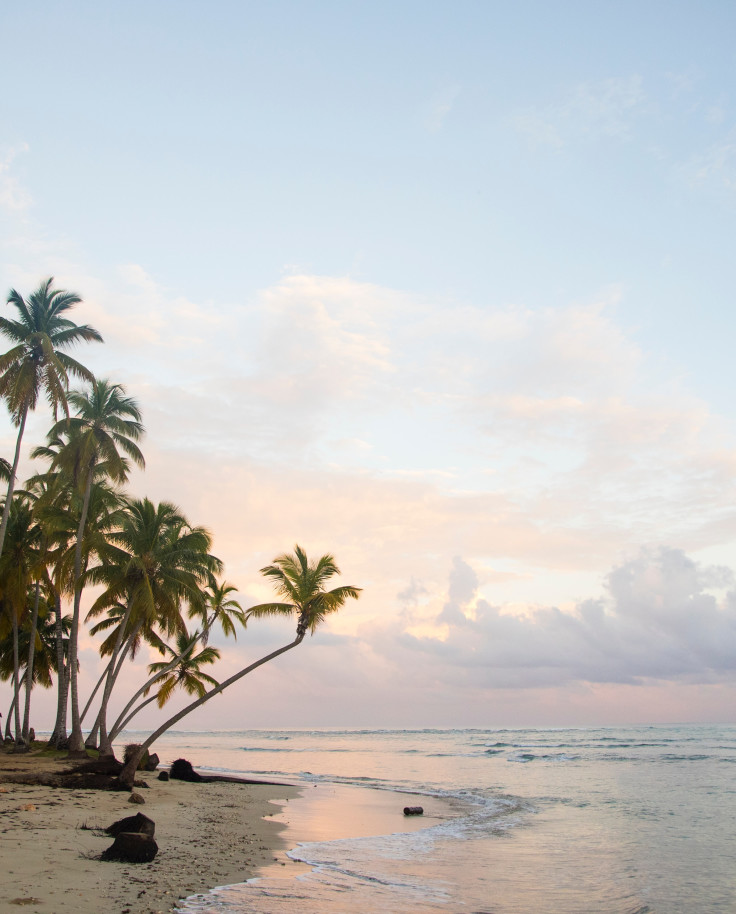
point(18, 569)
point(45, 660)
point(107, 422)
point(58, 506)
point(303, 584)
point(37, 363)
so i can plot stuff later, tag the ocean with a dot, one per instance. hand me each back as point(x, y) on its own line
point(524, 821)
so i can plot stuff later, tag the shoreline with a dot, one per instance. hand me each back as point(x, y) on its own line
point(209, 834)
point(224, 830)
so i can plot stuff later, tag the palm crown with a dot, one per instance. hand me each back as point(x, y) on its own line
point(302, 583)
point(187, 673)
point(106, 423)
point(37, 361)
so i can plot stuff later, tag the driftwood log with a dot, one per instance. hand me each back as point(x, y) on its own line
point(413, 810)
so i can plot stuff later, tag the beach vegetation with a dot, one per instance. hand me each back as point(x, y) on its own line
point(37, 363)
point(74, 528)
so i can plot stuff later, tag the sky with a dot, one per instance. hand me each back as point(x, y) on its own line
point(445, 290)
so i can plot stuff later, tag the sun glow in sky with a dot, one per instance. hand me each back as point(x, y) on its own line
point(446, 290)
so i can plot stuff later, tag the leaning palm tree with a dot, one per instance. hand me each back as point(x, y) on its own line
point(37, 363)
point(103, 432)
point(302, 584)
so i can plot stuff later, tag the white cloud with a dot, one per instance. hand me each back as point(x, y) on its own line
point(606, 109)
point(659, 620)
point(715, 167)
point(363, 421)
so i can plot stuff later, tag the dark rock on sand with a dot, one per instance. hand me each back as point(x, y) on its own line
point(152, 763)
point(163, 775)
point(136, 798)
point(137, 824)
point(181, 770)
point(131, 848)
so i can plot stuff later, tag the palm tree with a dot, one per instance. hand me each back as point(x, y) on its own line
point(18, 569)
point(221, 608)
point(37, 363)
point(106, 423)
point(187, 673)
point(45, 660)
point(155, 563)
point(302, 582)
point(58, 508)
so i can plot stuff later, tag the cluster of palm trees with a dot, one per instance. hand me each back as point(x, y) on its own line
point(73, 526)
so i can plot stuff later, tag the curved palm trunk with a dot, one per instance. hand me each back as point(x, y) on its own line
point(76, 739)
point(11, 481)
point(108, 673)
point(96, 689)
point(127, 775)
point(135, 711)
point(122, 719)
point(29, 665)
point(105, 737)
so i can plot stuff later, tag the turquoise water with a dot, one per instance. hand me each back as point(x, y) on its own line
point(616, 820)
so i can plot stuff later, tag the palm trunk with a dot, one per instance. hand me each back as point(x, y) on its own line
point(135, 711)
point(76, 739)
point(105, 737)
point(9, 718)
point(11, 481)
point(95, 690)
point(12, 721)
point(91, 741)
point(16, 682)
point(110, 670)
point(29, 666)
point(121, 721)
point(58, 737)
point(127, 775)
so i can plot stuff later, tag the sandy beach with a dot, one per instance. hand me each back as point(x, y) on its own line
point(208, 834)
